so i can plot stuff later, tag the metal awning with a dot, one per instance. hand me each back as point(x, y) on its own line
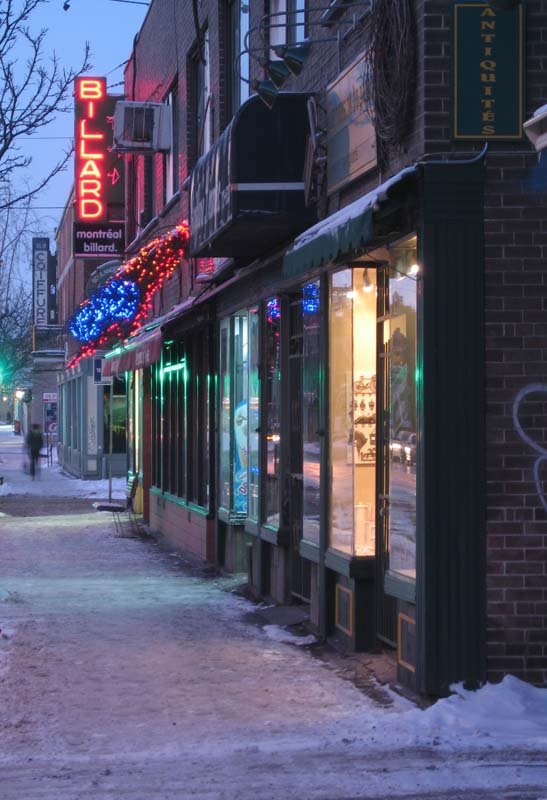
point(246, 194)
point(342, 232)
point(140, 352)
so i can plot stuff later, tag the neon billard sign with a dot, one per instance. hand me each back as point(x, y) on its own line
point(91, 149)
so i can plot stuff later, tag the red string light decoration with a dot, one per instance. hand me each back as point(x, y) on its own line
point(149, 269)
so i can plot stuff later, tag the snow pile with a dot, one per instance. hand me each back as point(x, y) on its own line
point(511, 712)
point(52, 481)
point(278, 634)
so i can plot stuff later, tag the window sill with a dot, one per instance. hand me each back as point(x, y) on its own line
point(400, 587)
point(309, 550)
point(251, 527)
point(360, 567)
point(229, 518)
point(275, 536)
point(179, 501)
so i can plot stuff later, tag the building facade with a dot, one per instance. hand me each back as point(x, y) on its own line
point(90, 423)
point(340, 388)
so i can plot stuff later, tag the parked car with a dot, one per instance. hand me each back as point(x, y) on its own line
point(403, 447)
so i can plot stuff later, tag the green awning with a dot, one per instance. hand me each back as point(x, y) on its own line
point(343, 232)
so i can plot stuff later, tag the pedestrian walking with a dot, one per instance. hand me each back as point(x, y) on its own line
point(34, 442)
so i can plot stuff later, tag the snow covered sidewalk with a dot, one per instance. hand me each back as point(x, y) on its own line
point(126, 673)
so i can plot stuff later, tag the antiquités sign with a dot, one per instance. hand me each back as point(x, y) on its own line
point(487, 71)
point(99, 173)
point(351, 138)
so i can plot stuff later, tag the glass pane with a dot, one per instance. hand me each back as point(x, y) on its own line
point(341, 410)
point(241, 389)
point(119, 417)
point(244, 61)
point(401, 348)
point(364, 410)
point(311, 386)
point(272, 408)
point(225, 415)
point(137, 405)
point(254, 399)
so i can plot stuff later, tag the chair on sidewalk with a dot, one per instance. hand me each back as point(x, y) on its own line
point(117, 509)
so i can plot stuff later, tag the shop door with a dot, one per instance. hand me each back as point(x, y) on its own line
point(299, 567)
point(385, 604)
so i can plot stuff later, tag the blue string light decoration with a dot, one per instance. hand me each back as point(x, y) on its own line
point(310, 298)
point(115, 302)
point(273, 309)
point(122, 305)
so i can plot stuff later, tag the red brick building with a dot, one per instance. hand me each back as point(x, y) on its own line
point(353, 412)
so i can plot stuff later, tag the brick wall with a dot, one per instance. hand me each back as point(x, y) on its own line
point(516, 351)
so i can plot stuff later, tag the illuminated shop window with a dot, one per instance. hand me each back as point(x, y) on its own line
point(254, 414)
point(311, 392)
point(272, 410)
point(352, 410)
point(401, 379)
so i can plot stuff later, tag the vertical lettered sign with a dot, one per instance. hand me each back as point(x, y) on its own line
point(98, 173)
point(487, 71)
point(91, 143)
point(40, 263)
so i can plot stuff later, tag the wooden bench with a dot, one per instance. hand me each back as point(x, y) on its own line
point(117, 509)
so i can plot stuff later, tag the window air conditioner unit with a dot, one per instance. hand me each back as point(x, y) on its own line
point(142, 127)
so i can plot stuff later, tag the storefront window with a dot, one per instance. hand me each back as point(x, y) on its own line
point(225, 415)
point(180, 428)
point(241, 414)
point(311, 436)
point(272, 409)
point(254, 411)
point(401, 350)
point(119, 417)
point(352, 410)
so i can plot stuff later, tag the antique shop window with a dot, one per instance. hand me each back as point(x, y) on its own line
point(400, 348)
point(311, 392)
point(352, 410)
point(272, 410)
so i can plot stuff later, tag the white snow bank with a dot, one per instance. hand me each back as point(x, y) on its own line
point(512, 712)
point(278, 634)
point(53, 481)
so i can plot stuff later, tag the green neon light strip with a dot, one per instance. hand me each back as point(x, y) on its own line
point(174, 367)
